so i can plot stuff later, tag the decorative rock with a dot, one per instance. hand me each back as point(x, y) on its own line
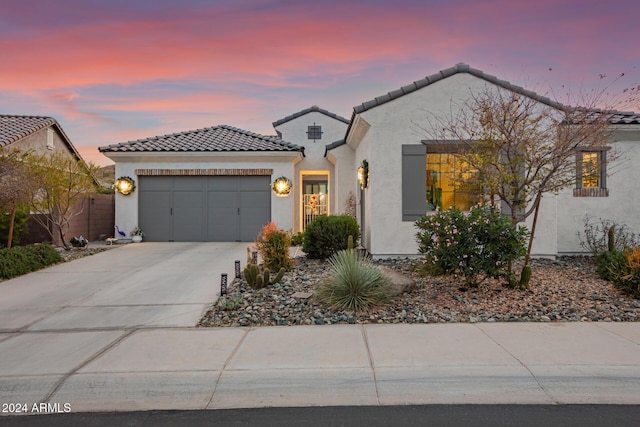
point(568, 290)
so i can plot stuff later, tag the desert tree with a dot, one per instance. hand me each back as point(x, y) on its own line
point(516, 148)
point(61, 182)
point(15, 187)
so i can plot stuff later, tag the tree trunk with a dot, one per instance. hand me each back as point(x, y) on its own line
point(11, 222)
point(533, 231)
point(64, 243)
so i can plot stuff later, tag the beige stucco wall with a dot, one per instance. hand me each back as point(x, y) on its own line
point(295, 131)
point(37, 143)
point(126, 216)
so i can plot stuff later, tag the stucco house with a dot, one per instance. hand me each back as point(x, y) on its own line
point(44, 135)
point(217, 184)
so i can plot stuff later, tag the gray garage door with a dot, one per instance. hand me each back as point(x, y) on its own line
point(203, 208)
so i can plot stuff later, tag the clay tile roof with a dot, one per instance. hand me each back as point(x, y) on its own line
point(313, 108)
point(624, 118)
point(616, 117)
point(14, 128)
point(217, 138)
point(459, 68)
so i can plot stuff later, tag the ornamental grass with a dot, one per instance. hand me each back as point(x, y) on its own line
point(354, 285)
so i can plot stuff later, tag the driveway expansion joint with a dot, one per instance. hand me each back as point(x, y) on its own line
point(84, 363)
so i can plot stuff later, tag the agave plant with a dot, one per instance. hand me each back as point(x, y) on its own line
point(354, 284)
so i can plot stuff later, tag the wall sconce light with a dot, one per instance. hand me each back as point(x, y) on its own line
point(363, 174)
point(125, 185)
point(282, 187)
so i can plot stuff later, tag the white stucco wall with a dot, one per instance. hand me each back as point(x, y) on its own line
point(408, 120)
point(393, 124)
point(623, 203)
point(126, 216)
point(295, 131)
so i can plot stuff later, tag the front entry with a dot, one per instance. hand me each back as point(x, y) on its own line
point(315, 197)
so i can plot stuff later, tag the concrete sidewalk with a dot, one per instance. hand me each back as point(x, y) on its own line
point(197, 368)
point(115, 332)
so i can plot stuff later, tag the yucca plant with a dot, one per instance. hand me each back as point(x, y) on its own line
point(354, 285)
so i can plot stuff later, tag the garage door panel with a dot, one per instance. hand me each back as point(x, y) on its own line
point(188, 198)
point(222, 225)
point(155, 215)
point(255, 199)
point(155, 183)
point(251, 221)
point(222, 198)
point(222, 183)
point(219, 208)
point(255, 183)
point(188, 183)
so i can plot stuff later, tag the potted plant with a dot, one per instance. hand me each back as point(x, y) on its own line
point(136, 235)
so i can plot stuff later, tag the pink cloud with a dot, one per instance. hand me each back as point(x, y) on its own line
point(253, 59)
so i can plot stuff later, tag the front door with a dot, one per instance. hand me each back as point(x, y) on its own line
point(315, 198)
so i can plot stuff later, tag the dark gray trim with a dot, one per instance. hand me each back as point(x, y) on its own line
point(439, 146)
point(313, 108)
point(334, 144)
point(414, 182)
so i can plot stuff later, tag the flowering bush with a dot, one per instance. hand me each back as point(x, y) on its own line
point(476, 244)
point(273, 246)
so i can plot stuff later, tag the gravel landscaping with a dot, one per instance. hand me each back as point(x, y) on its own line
point(566, 289)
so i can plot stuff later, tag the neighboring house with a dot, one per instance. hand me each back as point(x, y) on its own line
point(44, 135)
point(321, 152)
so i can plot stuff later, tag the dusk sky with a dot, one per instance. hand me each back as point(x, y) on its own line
point(115, 70)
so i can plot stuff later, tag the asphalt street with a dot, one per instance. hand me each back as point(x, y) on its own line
point(369, 416)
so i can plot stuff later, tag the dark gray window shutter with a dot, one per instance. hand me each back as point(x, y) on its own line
point(414, 182)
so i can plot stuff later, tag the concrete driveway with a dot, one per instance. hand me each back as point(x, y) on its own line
point(137, 285)
point(114, 332)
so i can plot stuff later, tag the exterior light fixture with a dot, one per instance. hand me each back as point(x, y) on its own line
point(282, 186)
point(363, 174)
point(125, 185)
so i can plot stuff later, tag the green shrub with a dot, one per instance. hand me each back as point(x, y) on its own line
point(297, 239)
point(596, 236)
point(354, 284)
point(476, 244)
point(326, 235)
point(273, 246)
point(622, 269)
point(20, 225)
point(610, 263)
point(21, 260)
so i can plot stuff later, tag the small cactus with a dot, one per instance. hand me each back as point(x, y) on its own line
point(350, 242)
point(525, 276)
point(279, 276)
point(251, 272)
point(611, 242)
point(259, 280)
